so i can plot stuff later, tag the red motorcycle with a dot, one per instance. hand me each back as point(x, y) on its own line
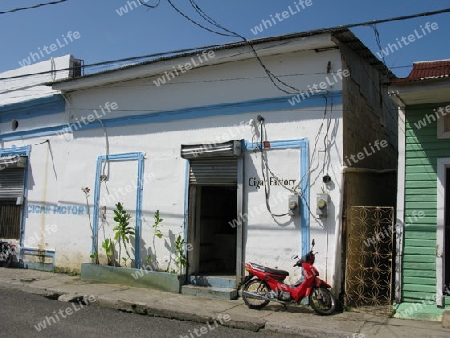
point(264, 284)
point(7, 253)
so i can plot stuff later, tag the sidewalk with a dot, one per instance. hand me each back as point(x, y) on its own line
point(297, 320)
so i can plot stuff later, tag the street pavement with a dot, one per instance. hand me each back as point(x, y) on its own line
point(300, 321)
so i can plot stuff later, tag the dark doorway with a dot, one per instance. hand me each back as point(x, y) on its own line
point(215, 243)
point(10, 219)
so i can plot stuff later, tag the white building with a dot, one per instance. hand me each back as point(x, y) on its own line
point(207, 139)
point(23, 96)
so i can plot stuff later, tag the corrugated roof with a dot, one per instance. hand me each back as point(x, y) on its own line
point(427, 70)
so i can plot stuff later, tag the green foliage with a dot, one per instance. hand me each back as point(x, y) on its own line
point(156, 226)
point(148, 259)
point(123, 230)
point(180, 257)
point(178, 245)
point(94, 236)
point(108, 246)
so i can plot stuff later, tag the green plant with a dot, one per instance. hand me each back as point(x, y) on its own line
point(180, 257)
point(108, 246)
point(156, 233)
point(155, 226)
point(148, 259)
point(94, 236)
point(123, 230)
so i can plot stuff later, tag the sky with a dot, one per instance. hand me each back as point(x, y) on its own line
point(101, 30)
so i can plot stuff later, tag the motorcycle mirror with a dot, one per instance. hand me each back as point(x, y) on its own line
point(313, 242)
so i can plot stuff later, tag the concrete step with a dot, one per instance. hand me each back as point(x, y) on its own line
point(214, 281)
point(446, 319)
point(210, 292)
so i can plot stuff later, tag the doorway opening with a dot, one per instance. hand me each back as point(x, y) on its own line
point(215, 241)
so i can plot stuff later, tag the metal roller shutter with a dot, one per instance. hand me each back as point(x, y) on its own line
point(11, 183)
point(213, 171)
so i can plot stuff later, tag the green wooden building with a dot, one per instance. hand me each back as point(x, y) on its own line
point(423, 199)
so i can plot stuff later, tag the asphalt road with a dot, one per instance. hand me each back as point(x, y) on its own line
point(28, 315)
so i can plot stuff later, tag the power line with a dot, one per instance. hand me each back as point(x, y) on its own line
point(150, 6)
point(272, 77)
point(34, 6)
point(397, 18)
point(103, 63)
point(367, 23)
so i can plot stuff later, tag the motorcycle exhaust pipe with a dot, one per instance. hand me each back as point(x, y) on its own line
point(258, 296)
point(255, 295)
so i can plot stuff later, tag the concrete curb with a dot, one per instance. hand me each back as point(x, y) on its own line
point(250, 324)
point(310, 332)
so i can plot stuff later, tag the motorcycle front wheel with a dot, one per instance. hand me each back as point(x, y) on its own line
point(259, 287)
point(322, 301)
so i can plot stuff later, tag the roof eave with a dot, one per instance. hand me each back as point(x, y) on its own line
point(223, 53)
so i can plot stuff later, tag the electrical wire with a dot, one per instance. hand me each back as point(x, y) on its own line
point(367, 23)
point(34, 6)
point(397, 18)
point(150, 6)
point(109, 62)
point(272, 77)
point(194, 22)
point(378, 41)
point(264, 167)
point(326, 142)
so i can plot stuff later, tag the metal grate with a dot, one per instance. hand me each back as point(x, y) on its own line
point(369, 265)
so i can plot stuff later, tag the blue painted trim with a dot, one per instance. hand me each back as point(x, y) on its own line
point(49, 105)
point(139, 156)
point(21, 151)
point(47, 131)
point(96, 199)
point(138, 231)
point(15, 151)
point(303, 145)
point(25, 197)
point(37, 252)
point(305, 212)
point(259, 105)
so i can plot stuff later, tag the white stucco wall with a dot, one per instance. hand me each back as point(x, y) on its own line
point(61, 166)
point(15, 87)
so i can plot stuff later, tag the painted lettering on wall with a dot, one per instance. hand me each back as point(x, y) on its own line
point(58, 209)
point(258, 183)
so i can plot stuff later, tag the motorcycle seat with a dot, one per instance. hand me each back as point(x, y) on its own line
point(272, 271)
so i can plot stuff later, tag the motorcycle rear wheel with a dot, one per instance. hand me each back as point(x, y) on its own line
point(259, 287)
point(322, 301)
point(8, 262)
